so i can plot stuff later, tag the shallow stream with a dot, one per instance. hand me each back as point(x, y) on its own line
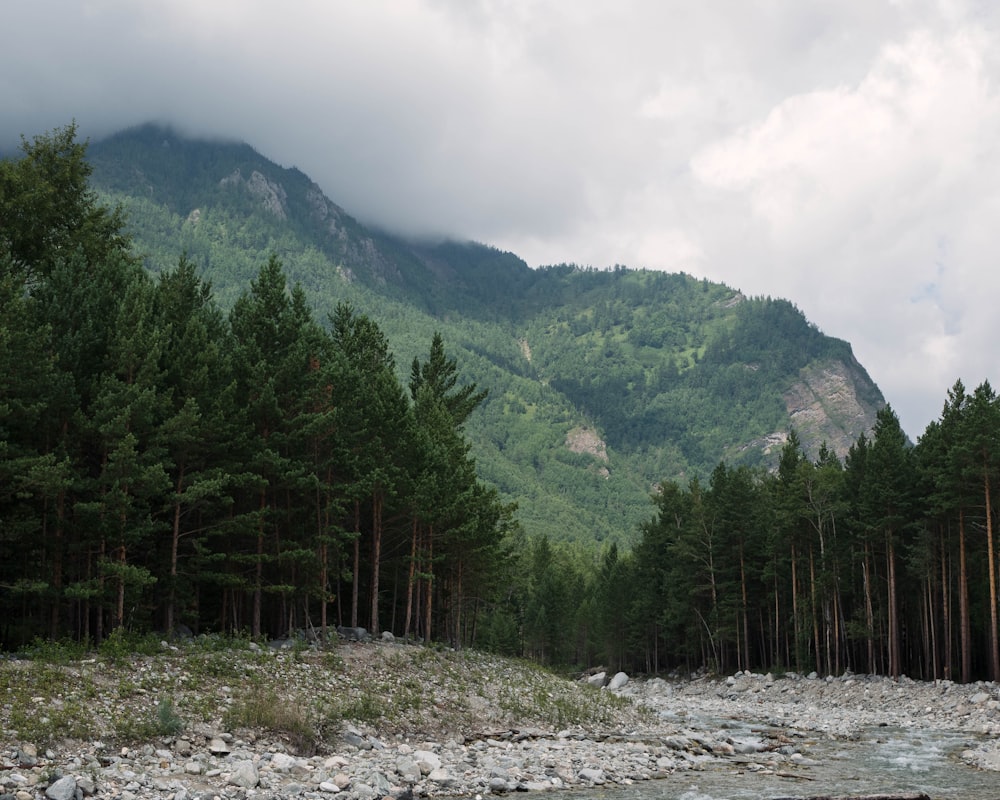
point(880, 761)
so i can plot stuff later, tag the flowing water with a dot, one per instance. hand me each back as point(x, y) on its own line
point(881, 761)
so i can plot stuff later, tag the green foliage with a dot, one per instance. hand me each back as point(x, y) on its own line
point(49, 651)
point(189, 467)
point(674, 373)
point(121, 644)
point(265, 709)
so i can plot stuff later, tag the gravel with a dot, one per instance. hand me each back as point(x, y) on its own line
point(384, 719)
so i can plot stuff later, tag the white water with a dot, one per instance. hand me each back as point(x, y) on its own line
point(881, 761)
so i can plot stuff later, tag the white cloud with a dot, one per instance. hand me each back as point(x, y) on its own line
point(857, 187)
point(840, 153)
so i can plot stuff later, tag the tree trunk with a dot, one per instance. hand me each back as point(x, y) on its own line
point(795, 613)
point(890, 555)
point(869, 610)
point(945, 610)
point(965, 626)
point(428, 605)
point(411, 578)
point(174, 546)
point(745, 610)
point(991, 562)
point(57, 564)
point(457, 605)
point(376, 557)
point(258, 586)
point(357, 563)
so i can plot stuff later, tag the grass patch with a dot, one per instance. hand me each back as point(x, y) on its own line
point(62, 651)
point(264, 708)
point(43, 724)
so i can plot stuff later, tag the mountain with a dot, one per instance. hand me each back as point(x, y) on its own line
point(602, 383)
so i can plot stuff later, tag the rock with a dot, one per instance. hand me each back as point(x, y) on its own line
point(283, 762)
point(597, 679)
point(62, 789)
point(618, 681)
point(594, 776)
point(408, 770)
point(218, 747)
point(342, 780)
point(329, 787)
point(245, 775)
point(498, 786)
point(427, 761)
point(381, 784)
point(441, 777)
point(388, 637)
point(356, 740)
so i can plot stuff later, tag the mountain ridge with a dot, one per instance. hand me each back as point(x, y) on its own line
point(668, 372)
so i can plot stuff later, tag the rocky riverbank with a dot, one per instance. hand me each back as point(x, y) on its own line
point(365, 721)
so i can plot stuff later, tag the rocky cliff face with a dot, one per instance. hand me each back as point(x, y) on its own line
point(829, 403)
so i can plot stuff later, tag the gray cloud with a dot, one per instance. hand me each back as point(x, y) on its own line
point(841, 154)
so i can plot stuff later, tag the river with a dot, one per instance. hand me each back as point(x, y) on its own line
point(880, 761)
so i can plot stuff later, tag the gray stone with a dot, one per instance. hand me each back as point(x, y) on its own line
point(381, 784)
point(498, 785)
point(591, 775)
point(597, 679)
point(354, 634)
point(408, 770)
point(427, 761)
point(62, 789)
point(245, 775)
point(218, 747)
point(618, 681)
point(441, 777)
point(356, 740)
point(282, 762)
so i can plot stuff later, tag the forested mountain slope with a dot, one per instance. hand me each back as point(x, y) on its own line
point(601, 383)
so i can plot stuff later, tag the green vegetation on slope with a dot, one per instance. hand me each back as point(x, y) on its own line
point(672, 373)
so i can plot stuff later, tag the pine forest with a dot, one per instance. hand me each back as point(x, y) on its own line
point(262, 470)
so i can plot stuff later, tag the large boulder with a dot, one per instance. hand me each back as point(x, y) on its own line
point(62, 789)
point(597, 679)
point(245, 775)
point(618, 681)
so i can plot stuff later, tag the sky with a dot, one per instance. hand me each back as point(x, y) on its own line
point(842, 154)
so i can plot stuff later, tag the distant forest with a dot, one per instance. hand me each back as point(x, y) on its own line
point(262, 472)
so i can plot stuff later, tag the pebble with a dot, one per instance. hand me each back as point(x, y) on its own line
point(681, 737)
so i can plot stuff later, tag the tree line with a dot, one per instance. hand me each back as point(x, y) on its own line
point(884, 562)
point(163, 463)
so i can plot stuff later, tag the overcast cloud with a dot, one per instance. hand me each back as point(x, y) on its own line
point(843, 154)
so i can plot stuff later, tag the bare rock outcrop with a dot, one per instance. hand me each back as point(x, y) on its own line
point(827, 405)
